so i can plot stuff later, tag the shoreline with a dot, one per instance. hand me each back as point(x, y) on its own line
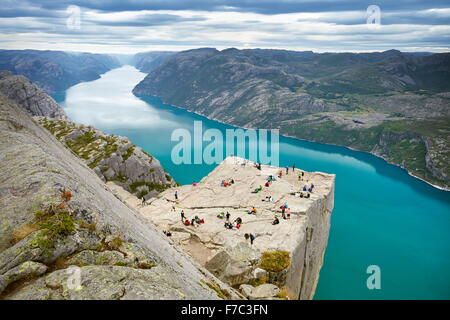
point(292, 137)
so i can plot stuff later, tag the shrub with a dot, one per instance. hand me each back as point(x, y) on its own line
point(275, 261)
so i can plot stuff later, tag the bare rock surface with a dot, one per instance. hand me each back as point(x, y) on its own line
point(25, 93)
point(226, 252)
point(41, 241)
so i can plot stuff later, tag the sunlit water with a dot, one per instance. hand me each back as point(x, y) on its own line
point(382, 216)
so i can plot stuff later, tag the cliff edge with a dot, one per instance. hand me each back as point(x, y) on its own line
point(284, 260)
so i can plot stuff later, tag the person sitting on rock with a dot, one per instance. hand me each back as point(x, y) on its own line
point(301, 194)
point(258, 189)
point(253, 211)
point(167, 233)
point(221, 215)
point(307, 195)
point(304, 188)
point(288, 213)
point(231, 181)
point(228, 225)
point(197, 220)
point(276, 221)
point(310, 190)
point(222, 183)
point(238, 220)
point(267, 184)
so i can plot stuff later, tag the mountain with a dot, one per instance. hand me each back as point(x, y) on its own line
point(22, 91)
point(55, 71)
point(392, 104)
point(148, 61)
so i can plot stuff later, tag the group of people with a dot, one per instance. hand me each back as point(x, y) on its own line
point(310, 189)
point(227, 183)
point(192, 222)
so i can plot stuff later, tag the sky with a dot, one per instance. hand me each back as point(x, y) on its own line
point(120, 26)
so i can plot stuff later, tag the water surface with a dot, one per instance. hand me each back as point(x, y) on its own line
point(382, 216)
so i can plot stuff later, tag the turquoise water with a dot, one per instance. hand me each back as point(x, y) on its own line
point(382, 216)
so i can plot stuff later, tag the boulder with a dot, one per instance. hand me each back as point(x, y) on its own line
point(264, 291)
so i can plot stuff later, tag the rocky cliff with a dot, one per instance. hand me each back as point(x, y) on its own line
point(63, 234)
point(285, 259)
point(347, 99)
point(112, 158)
point(25, 93)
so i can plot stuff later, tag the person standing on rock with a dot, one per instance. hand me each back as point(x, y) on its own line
point(293, 167)
point(182, 216)
point(228, 216)
point(176, 195)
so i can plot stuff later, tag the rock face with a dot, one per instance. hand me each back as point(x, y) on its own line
point(22, 91)
point(288, 255)
point(113, 158)
point(63, 234)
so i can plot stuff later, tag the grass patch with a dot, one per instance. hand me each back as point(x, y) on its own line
point(222, 293)
point(275, 261)
point(23, 231)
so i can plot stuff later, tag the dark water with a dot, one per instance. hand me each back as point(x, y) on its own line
point(382, 216)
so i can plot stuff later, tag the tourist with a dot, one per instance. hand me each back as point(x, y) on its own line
point(197, 220)
point(287, 170)
point(167, 233)
point(193, 222)
point(293, 167)
point(267, 184)
point(288, 213)
point(275, 221)
point(221, 215)
point(182, 216)
point(304, 188)
point(143, 201)
point(253, 210)
point(176, 195)
point(238, 220)
point(249, 236)
point(228, 216)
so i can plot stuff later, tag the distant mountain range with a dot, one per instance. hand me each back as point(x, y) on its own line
point(55, 71)
point(392, 104)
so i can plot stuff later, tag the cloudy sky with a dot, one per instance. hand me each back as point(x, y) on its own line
point(120, 26)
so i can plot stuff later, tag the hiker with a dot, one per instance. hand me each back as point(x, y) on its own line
point(182, 216)
point(197, 220)
point(283, 209)
point(276, 221)
point(287, 170)
point(293, 167)
point(249, 236)
point(258, 189)
point(176, 195)
point(143, 201)
point(167, 233)
point(228, 216)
